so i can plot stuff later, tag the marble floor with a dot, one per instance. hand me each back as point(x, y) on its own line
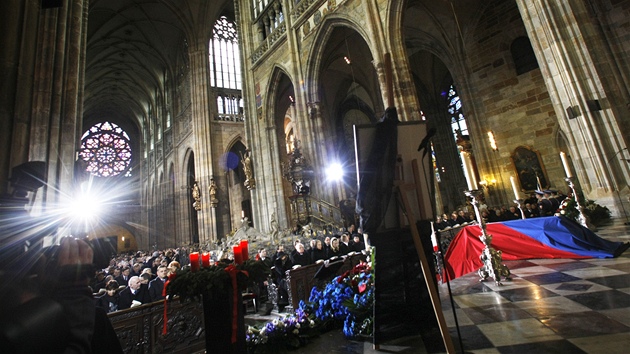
point(549, 306)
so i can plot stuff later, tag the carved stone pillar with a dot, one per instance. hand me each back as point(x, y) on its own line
point(579, 72)
point(202, 131)
point(56, 112)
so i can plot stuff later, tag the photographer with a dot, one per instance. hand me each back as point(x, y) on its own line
point(51, 309)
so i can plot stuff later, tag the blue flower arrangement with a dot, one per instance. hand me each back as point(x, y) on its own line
point(287, 332)
point(347, 301)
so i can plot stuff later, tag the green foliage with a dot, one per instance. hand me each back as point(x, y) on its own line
point(215, 279)
point(597, 214)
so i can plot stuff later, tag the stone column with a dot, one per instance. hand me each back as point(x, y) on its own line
point(57, 91)
point(202, 130)
point(579, 73)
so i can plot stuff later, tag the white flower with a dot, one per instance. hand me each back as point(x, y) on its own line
point(274, 322)
point(297, 325)
point(296, 331)
point(311, 323)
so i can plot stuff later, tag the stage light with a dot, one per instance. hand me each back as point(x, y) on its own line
point(334, 172)
point(86, 207)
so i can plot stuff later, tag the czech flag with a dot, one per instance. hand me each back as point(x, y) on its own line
point(546, 237)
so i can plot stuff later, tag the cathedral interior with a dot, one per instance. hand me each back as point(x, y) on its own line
point(179, 119)
point(153, 107)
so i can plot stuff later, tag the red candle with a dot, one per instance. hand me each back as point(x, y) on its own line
point(245, 249)
point(194, 261)
point(205, 260)
point(238, 256)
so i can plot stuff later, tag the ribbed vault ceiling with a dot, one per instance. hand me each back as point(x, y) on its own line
point(134, 47)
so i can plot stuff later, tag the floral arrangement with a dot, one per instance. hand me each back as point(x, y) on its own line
point(596, 213)
point(215, 279)
point(289, 332)
point(347, 300)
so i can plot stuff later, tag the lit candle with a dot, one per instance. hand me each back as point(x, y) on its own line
point(469, 171)
point(205, 259)
point(242, 214)
point(194, 261)
point(244, 249)
point(238, 256)
point(565, 163)
point(433, 238)
point(513, 181)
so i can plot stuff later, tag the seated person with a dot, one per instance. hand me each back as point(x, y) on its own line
point(334, 251)
point(109, 301)
point(300, 256)
point(440, 223)
point(357, 243)
point(318, 252)
point(133, 292)
point(156, 286)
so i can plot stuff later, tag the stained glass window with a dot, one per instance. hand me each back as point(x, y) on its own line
point(105, 147)
point(458, 121)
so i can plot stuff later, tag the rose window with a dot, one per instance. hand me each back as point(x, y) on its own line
point(105, 147)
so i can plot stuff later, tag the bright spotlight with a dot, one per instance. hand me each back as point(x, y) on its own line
point(85, 208)
point(334, 172)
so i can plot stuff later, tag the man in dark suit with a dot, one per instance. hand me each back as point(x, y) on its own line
point(123, 278)
point(133, 291)
point(157, 285)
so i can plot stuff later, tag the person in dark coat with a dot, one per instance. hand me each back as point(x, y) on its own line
point(156, 286)
point(545, 208)
point(334, 251)
point(124, 276)
point(344, 243)
point(300, 256)
point(109, 301)
point(357, 244)
point(318, 252)
point(133, 291)
point(281, 264)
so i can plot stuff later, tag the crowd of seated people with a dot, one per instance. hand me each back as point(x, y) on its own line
point(135, 279)
point(339, 245)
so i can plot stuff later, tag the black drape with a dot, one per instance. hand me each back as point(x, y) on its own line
point(377, 175)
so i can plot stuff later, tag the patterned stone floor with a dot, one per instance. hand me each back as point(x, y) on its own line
point(550, 306)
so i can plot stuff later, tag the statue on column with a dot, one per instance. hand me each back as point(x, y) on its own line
point(213, 194)
point(246, 160)
point(275, 231)
point(196, 194)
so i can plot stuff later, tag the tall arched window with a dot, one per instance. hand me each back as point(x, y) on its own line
point(225, 65)
point(106, 149)
point(225, 70)
point(458, 121)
